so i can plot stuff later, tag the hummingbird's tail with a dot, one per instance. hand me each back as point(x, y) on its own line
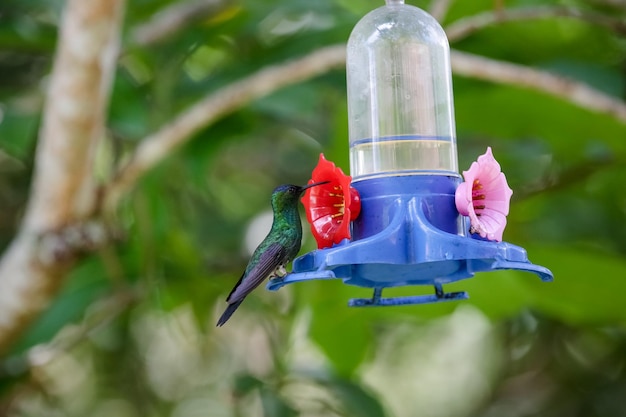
point(228, 312)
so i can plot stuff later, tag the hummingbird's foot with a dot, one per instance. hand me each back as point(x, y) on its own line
point(280, 271)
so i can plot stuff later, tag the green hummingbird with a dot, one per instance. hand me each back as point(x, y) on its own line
point(279, 247)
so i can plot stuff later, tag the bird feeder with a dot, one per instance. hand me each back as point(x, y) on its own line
point(419, 223)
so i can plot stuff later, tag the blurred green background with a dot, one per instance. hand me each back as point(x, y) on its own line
point(132, 332)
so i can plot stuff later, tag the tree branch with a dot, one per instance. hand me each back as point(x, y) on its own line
point(63, 188)
point(159, 145)
point(156, 147)
point(173, 18)
point(439, 9)
point(465, 27)
point(575, 92)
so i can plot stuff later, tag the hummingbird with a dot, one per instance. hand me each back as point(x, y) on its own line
point(279, 247)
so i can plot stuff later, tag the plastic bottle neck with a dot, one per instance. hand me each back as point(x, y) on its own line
point(394, 2)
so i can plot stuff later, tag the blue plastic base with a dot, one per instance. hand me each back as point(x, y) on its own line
point(409, 233)
point(377, 299)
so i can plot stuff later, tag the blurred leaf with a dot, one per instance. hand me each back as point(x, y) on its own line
point(584, 284)
point(498, 294)
point(337, 150)
point(360, 7)
point(18, 131)
point(603, 79)
point(355, 399)
point(86, 284)
point(331, 318)
point(274, 406)
point(245, 383)
point(513, 113)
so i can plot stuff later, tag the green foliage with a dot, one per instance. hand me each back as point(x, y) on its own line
point(530, 348)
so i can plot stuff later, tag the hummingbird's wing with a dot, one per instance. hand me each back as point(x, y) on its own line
point(270, 259)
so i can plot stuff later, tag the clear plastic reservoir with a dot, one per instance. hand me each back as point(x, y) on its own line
point(400, 105)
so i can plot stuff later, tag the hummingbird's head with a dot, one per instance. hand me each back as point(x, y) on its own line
point(287, 195)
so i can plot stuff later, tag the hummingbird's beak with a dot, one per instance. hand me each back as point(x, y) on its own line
point(314, 184)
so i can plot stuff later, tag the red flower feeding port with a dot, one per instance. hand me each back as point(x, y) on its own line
point(330, 207)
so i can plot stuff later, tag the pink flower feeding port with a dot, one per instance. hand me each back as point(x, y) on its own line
point(405, 216)
point(484, 197)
